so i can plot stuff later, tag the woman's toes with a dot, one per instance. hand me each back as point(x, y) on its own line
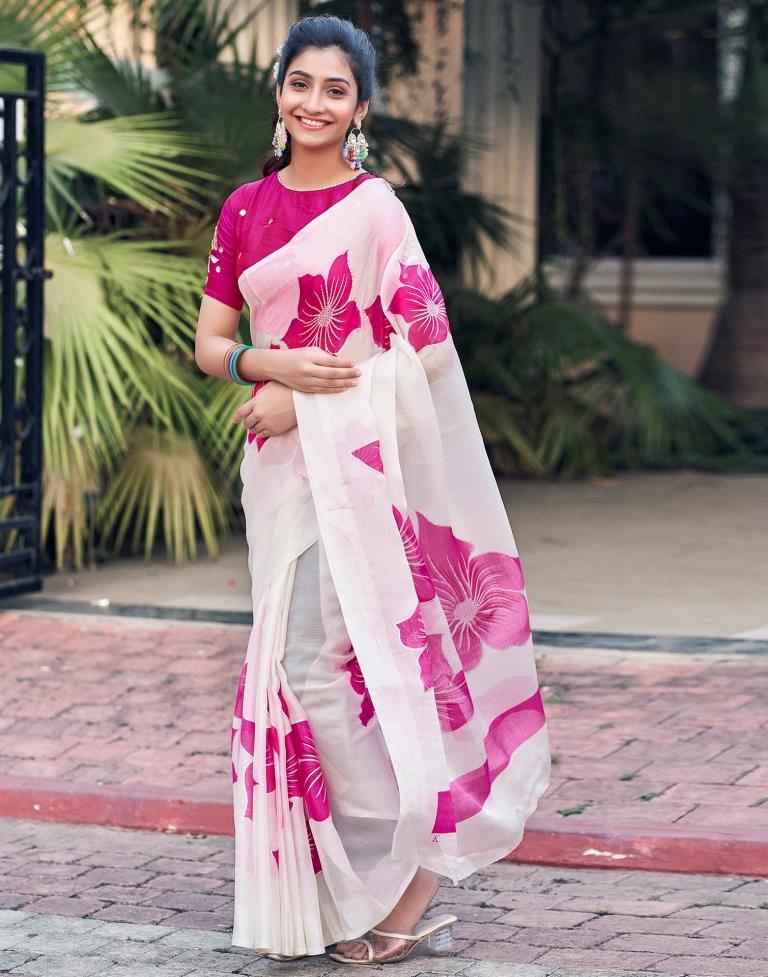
point(351, 948)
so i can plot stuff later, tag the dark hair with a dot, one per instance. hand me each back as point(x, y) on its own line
point(325, 30)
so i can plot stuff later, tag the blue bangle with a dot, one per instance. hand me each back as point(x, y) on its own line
point(232, 366)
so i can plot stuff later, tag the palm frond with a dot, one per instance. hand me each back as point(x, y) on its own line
point(93, 348)
point(138, 156)
point(163, 483)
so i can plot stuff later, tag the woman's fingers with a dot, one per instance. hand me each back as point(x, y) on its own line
point(331, 367)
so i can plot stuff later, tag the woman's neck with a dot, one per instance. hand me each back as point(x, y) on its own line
point(307, 171)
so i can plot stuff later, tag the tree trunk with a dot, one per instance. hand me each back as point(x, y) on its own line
point(737, 364)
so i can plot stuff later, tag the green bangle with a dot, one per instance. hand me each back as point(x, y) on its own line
point(232, 366)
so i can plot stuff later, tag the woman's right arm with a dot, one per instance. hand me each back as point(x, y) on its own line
point(308, 369)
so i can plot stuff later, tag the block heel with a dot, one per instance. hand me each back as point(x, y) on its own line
point(441, 940)
point(436, 934)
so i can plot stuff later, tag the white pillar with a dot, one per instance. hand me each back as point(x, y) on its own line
point(501, 106)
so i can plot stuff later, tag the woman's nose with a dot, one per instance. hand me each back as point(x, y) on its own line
point(314, 102)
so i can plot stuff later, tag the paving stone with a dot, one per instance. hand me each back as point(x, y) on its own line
point(202, 940)
point(12, 958)
point(64, 966)
point(512, 951)
point(578, 959)
point(134, 914)
point(133, 932)
point(149, 970)
point(222, 960)
point(10, 917)
point(713, 967)
point(67, 906)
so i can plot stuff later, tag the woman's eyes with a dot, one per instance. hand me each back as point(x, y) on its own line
point(333, 91)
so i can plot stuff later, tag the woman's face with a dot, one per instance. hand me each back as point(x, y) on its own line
point(319, 98)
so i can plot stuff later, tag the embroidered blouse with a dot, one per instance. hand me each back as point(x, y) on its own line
point(255, 220)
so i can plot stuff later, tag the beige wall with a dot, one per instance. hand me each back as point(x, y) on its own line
point(437, 86)
point(680, 336)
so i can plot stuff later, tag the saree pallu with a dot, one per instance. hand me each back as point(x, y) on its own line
point(415, 734)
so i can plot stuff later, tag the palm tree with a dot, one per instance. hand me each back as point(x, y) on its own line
point(132, 179)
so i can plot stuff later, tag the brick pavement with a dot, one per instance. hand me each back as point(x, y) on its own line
point(115, 721)
point(80, 899)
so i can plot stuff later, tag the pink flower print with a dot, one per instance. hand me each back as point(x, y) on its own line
point(250, 783)
point(325, 315)
point(309, 781)
point(445, 818)
point(481, 595)
point(507, 732)
point(276, 856)
point(358, 685)
point(371, 455)
point(283, 703)
point(292, 770)
point(316, 866)
point(238, 710)
point(412, 633)
point(247, 735)
point(232, 753)
point(425, 589)
point(421, 304)
point(381, 327)
point(454, 703)
point(270, 749)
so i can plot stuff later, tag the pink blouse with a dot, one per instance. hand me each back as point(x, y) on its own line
point(255, 220)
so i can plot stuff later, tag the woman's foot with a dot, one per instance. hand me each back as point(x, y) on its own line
point(413, 903)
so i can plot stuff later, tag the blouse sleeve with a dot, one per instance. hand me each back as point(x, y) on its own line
point(221, 280)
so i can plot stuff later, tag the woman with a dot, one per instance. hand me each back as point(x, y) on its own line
point(388, 726)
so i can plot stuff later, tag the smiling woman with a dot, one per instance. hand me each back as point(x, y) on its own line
point(388, 726)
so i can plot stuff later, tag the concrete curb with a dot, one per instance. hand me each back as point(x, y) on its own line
point(661, 848)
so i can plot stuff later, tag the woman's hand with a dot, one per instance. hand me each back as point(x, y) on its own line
point(311, 370)
point(270, 412)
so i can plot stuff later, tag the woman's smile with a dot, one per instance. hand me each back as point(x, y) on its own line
point(308, 123)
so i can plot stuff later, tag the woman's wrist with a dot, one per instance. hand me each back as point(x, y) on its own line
point(257, 364)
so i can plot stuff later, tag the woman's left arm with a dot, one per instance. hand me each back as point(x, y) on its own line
point(270, 412)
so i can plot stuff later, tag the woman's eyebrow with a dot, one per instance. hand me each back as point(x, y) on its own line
point(297, 71)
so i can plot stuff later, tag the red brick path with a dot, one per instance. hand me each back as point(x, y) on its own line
point(659, 758)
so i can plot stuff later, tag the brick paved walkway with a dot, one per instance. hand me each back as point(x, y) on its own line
point(79, 900)
point(127, 722)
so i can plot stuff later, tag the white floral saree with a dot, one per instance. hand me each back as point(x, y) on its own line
point(388, 714)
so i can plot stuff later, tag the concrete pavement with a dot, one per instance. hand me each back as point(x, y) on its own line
point(83, 900)
point(680, 553)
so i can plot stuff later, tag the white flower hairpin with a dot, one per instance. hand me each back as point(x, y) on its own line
point(278, 52)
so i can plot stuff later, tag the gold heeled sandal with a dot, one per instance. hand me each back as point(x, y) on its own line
point(281, 956)
point(436, 933)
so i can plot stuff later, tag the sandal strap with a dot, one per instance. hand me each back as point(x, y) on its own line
point(395, 936)
point(424, 928)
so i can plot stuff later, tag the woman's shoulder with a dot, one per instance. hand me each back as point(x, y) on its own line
point(380, 190)
point(247, 194)
point(383, 213)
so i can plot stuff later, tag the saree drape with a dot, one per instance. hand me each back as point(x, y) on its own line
point(416, 734)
